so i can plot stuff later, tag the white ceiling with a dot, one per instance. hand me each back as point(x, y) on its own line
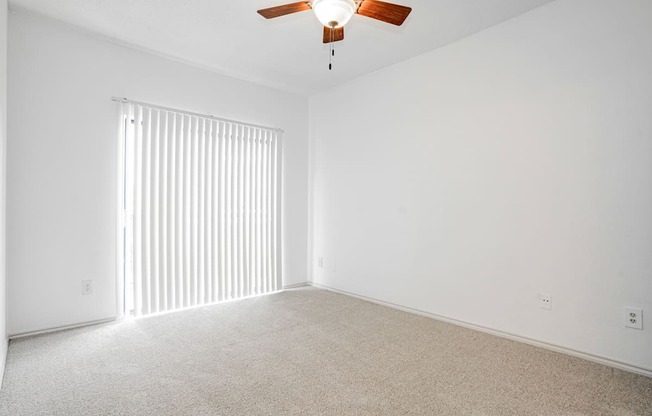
point(286, 53)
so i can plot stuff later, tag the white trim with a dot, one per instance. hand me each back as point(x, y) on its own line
point(115, 319)
point(296, 285)
point(3, 361)
point(552, 347)
point(61, 328)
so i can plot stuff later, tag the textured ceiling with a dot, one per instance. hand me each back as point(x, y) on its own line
point(285, 53)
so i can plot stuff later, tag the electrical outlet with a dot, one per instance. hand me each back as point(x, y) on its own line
point(545, 301)
point(633, 317)
point(87, 287)
point(320, 262)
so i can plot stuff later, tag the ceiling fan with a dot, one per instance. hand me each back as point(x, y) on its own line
point(334, 14)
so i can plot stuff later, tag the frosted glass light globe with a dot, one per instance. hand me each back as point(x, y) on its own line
point(334, 13)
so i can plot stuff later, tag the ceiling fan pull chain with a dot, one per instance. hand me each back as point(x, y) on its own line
point(330, 57)
point(330, 60)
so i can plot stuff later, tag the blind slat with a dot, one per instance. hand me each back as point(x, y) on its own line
point(162, 224)
point(255, 211)
point(169, 218)
point(208, 238)
point(263, 222)
point(193, 211)
point(179, 212)
point(268, 209)
point(138, 208)
point(187, 212)
point(239, 216)
point(221, 253)
point(201, 219)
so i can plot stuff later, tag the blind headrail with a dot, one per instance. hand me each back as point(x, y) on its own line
point(190, 113)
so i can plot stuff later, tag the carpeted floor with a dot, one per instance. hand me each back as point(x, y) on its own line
point(304, 352)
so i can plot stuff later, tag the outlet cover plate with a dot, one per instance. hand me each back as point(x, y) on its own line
point(545, 301)
point(633, 317)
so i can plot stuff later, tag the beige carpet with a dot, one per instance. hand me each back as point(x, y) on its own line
point(304, 352)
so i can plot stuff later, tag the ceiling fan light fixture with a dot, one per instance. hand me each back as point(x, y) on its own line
point(334, 13)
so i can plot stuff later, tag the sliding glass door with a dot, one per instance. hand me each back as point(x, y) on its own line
point(202, 209)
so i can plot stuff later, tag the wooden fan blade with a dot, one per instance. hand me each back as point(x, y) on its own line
point(338, 34)
point(277, 11)
point(386, 12)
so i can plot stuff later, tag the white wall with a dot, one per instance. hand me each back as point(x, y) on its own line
point(3, 144)
point(465, 181)
point(62, 162)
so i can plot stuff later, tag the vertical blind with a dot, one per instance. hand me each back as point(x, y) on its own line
point(203, 209)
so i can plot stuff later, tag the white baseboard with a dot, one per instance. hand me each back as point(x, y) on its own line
point(557, 348)
point(296, 285)
point(113, 319)
point(3, 361)
point(60, 328)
